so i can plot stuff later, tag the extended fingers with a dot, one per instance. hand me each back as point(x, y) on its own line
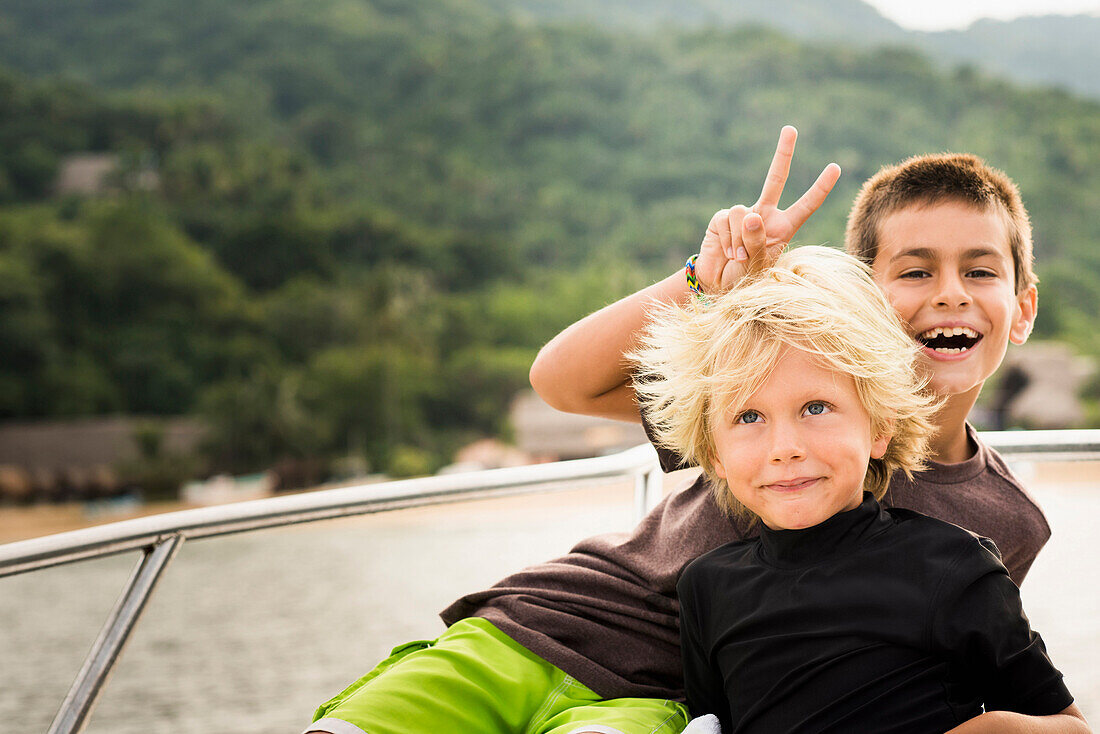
point(808, 203)
point(780, 167)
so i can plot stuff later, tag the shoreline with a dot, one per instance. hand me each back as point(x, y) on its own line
point(25, 523)
point(33, 521)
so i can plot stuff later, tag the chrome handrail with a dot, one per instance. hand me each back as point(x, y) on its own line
point(52, 550)
point(159, 537)
point(1070, 444)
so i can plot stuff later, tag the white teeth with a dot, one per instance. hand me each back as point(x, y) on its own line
point(950, 331)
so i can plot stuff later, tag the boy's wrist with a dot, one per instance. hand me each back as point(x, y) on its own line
point(692, 278)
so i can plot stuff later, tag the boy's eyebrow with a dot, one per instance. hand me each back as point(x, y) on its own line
point(928, 253)
point(977, 252)
point(921, 253)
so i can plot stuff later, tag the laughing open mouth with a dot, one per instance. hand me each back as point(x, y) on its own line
point(949, 340)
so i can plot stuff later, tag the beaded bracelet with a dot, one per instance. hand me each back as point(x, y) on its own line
point(692, 278)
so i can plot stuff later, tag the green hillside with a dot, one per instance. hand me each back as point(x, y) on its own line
point(362, 205)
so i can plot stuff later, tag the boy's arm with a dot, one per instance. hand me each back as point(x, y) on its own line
point(582, 369)
point(1007, 722)
point(978, 622)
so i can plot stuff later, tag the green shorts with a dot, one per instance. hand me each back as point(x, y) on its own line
point(476, 679)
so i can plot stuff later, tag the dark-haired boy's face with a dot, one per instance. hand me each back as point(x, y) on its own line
point(948, 270)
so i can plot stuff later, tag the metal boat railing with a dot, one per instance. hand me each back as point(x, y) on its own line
point(159, 537)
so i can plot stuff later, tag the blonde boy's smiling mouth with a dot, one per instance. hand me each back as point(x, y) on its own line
point(793, 485)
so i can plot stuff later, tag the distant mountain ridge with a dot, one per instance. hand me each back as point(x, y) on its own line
point(838, 20)
point(1054, 50)
point(1049, 50)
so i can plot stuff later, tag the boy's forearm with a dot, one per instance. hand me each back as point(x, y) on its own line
point(582, 369)
point(1069, 721)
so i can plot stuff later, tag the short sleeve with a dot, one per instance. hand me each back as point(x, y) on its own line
point(702, 680)
point(670, 460)
point(978, 622)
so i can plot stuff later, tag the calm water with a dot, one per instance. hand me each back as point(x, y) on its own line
point(249, 633)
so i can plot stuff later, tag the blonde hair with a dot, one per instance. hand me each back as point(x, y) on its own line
point(699, 360)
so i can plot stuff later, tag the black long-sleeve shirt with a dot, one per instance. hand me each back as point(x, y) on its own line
point(876, 620)
point(607, 612)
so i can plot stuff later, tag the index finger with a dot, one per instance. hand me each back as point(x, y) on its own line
point(780, 167)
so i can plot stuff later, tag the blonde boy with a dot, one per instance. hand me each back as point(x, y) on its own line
point(702, 358)
point(798, 395)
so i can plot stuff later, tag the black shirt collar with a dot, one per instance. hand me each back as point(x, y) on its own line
point(841, 533)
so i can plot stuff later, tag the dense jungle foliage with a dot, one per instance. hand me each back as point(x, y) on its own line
point(368, 215)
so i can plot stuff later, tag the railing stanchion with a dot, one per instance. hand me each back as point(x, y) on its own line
point(73, 715)
point(641, 501)
point(648, 490)
point(654, 486)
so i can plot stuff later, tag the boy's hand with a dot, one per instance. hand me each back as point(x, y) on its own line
point(740, 239)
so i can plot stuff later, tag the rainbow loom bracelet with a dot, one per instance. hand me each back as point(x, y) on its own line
point(692, 278)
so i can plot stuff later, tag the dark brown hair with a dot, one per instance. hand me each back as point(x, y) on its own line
point(930, 179)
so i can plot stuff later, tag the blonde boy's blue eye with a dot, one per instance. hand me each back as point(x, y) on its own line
point(749, 416)
point(817, 408)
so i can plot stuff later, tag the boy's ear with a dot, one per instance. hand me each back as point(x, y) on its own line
point(719, 467)
point(878, 446)
point(1027, 305)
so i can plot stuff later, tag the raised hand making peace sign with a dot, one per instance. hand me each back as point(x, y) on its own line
point(741, 239)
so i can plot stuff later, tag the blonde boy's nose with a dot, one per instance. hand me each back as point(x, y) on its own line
point(785, 445)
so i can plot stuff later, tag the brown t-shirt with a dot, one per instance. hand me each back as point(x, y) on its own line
point(607, 614)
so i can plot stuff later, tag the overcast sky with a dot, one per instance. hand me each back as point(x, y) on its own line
point(937, 15)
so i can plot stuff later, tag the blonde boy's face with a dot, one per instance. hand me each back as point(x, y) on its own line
point(948, 270)
point(796, 452)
